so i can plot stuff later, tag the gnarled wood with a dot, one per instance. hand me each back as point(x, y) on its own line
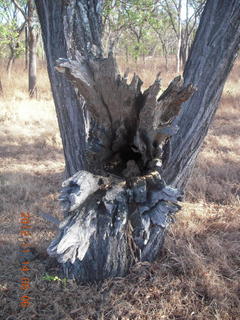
point(125, 117)
point(111, 223)
point(118, 205)
point(117, 212)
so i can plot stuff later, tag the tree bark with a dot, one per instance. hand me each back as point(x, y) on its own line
point(117, 206)
point(71, 113)
point(26, 47)
point(117, 211)
point(210, 60)
point(32, 50)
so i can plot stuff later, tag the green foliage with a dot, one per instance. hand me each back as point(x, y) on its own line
point(9, 39)
point(11, 27)
point(140, 25)
point(130, 21)
point(48, 277)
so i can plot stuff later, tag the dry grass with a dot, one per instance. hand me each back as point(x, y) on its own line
point(197, 276)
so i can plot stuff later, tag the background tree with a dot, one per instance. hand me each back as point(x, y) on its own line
point(11, 29)
point(130, 26)
point(113, 23)
point(118, 206)
point(189, 26)
point(160, 23)
point(28, 11)
point(33, 34)
point(174, 10)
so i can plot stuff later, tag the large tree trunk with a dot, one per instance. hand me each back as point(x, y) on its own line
point(72, 118)
point(210, 60)
point(118, 205)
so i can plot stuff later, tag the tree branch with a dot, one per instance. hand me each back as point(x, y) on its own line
point(171, 18)
point(17, 5)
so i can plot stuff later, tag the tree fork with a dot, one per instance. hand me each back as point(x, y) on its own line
point(117, 204)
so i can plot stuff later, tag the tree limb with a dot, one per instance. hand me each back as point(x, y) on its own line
point(17, 5)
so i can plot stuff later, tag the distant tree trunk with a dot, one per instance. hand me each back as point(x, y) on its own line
point(184, 50)
point(179, 35)
point(1, 88)
point(185, 39)
point(164, 48)
point(117, 205)
point(26, 47)
point(10, 60)
point(126, 53)
point(176, 26)
point(32, 49)
point(165, 53)
point(187, 35)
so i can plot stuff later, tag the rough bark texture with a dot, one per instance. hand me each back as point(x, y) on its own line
point(118, 205)
point(111, 223)
point(70, 110)
point(117, 213)
point(211, 58)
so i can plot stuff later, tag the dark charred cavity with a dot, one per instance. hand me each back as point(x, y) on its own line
point(126, 162)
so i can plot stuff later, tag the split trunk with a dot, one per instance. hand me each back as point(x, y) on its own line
point(124, 147)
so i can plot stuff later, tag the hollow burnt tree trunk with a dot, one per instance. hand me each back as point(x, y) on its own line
point(117, 211)
point(116, 138)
